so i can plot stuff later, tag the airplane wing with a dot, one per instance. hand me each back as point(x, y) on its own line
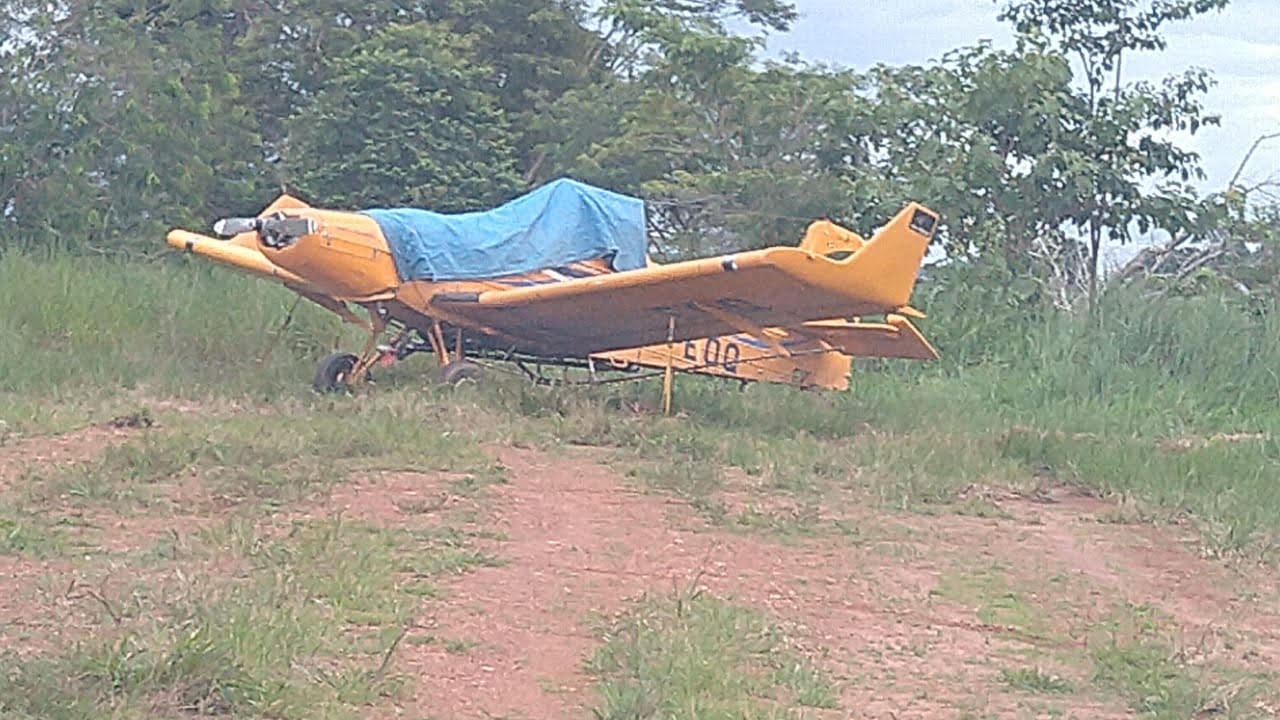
point(743, 292)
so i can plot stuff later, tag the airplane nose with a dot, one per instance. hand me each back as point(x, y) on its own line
point(248, 259)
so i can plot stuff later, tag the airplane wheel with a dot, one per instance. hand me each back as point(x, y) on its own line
point(333, 372)
point(459, 371)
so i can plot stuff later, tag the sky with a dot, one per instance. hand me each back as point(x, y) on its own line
point(1240, 45)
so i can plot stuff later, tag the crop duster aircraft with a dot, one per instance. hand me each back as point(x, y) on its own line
point(561, 276)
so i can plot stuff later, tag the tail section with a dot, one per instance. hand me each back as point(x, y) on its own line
point(828, 239)
point(889, 264)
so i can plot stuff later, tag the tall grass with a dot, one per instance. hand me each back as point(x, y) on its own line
point(72, 324)
point(1019, 388)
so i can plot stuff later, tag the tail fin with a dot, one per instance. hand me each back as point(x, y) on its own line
point(888, 265)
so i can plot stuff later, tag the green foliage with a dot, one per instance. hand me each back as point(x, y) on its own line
point(125, 118)
point(410, 115)
point(981, 119)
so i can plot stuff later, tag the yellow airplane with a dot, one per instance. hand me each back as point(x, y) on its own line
point(561, 276)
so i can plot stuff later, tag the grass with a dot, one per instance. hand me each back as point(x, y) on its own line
point(27, 535)
point(995, 599)
point(306, 628)
point(696, 656)
point(1132, 652)
point(1035, 680)
point(280, 454)
point(89, 338)
point(1170, 407)
point(1136, 655)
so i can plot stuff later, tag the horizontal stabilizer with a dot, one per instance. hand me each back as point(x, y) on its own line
point(894, 338)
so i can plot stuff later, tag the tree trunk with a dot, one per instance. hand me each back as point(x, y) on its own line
point(1095, 246)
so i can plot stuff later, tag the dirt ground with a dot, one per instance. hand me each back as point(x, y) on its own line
point(914, 615)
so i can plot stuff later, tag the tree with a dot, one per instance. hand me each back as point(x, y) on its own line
point(406, 119)
point(533, 50)
point(128, 122)
point(727, 155)
point(978, 134)
point(1119, 138)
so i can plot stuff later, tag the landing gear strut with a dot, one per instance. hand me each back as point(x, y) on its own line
point(339, 372)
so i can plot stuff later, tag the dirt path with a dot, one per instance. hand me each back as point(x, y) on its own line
point(577, 544)
point(580, 543)
point(893, 611)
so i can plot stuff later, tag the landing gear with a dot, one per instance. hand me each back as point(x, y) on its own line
point(333, 374)
point(340, 372)
point(460, 371)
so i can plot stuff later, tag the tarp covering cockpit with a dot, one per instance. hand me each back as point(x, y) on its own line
point(562, 222)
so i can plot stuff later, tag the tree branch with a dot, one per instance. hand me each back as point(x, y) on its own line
point(1248, 156)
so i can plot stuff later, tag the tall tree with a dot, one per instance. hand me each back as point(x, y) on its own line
point(980, 135)
point(1120, 143)
point(533, 52)
point(727, 154)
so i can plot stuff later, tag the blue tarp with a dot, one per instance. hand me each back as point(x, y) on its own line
point(561, 222)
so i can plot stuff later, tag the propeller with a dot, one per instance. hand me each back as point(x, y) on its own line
point(230, 227)
point(276, 231)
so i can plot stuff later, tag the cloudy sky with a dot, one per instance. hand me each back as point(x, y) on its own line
point(1240, 45)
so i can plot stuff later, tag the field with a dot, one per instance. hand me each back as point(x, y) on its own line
point(1058, 520)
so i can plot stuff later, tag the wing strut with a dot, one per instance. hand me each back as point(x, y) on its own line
point(668, 377)
point(741, 324)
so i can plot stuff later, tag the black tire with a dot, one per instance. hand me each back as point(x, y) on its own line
point(460, 371)
point(334, 372)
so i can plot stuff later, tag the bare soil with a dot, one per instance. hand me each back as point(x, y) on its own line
point(580, 543)
point(48, 451)
point(894, 610)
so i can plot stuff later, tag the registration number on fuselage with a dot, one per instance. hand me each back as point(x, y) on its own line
point(714, 352)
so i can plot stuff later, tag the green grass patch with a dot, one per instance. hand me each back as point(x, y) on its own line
point(29, 535)
point(276, 454)
point(697, 657)
point(1035, 680)
point(307, 628)
point(1135, 655)
point(1132, 653)
point(1229, 484)
point(994, 600)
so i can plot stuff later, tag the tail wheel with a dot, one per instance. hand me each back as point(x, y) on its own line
point(460, 371)
point(333, 374)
